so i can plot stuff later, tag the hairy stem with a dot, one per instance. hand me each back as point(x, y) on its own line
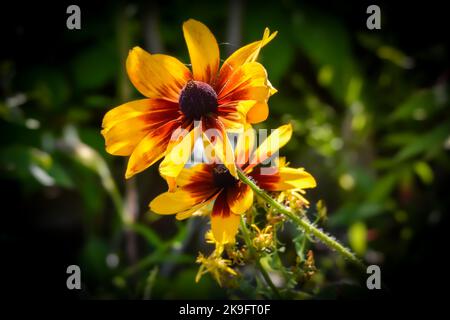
point(263, 271)
point(305, 225)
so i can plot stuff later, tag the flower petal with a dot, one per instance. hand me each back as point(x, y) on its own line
point(243, 55)
point(203, 50)
point(271, 145)
point(232, 122)
point(247, 82)
point(179, 201)
point(188, 213)
point(157, 75)
point(178, 155)
point(224, 223)
point(297, 178)
point(240, 198)
point(283, 178)
point(125, 126)
point(151, 148)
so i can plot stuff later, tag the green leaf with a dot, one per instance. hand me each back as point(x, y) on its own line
point(93, 260)
point(98, 101)
point(326, 42)
point(278, 56)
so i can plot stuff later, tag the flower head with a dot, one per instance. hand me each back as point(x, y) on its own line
point(207, 182)
point(263, 239)
point(182, 104)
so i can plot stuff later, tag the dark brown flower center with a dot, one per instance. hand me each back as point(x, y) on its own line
point(197, 99)
point(222, 177)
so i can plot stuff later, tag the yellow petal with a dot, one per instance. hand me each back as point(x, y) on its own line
point(198, 180)
point(296, 178)
point(225, 228)
point(244, 106)
point(125, 126)
point(126, 111)
point(243, 55)
point(232, 116)
point(282, 178)
point(200, 173)
point(271, 145)
point(272, 89)
point(217, 146)
point(151, 148)
point(258, 113)
point(158, 75)
point(203, 50)
point(224, 223)
point(195, 189)
point(177, 157)
point(240, 198)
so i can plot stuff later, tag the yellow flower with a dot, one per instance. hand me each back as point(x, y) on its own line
point(204, 183)
point(182, 104)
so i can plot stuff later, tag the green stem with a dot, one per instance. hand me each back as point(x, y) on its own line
point(305, 225)
point(263, 271)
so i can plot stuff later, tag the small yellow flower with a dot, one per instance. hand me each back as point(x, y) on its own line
point(203, 183)
point(321, 211)
point(183, 104)
point(214, 264)
point(295, 200)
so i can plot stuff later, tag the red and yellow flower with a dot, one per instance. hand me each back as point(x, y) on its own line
point(204, 183)
point(182, 104)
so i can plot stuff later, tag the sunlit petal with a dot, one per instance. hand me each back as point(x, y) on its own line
point(125, 126)
point(203, 50)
